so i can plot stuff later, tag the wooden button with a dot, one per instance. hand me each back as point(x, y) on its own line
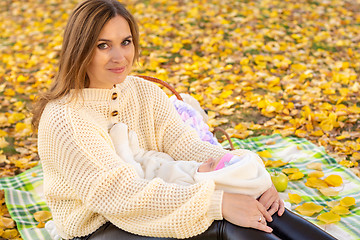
point(114, 113)
point(114, 96)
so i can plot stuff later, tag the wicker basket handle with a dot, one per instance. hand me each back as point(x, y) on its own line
point(172, 89)
point(165, 84)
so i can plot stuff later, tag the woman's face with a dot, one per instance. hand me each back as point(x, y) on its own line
point(114, 55)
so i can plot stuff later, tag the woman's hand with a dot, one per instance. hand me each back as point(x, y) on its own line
point(245, 211)
point(271, 201)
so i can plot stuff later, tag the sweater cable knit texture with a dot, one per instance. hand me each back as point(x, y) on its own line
point(87, 184)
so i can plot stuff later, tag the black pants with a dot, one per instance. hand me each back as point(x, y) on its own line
point(289, 226)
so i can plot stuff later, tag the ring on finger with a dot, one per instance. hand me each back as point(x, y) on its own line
point(260, 218)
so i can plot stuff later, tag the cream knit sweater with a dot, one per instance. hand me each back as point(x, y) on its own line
point(87, 184)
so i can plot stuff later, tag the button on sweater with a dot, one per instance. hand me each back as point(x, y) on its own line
point(87, 184)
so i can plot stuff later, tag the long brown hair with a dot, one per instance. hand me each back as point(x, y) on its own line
point(80, 38)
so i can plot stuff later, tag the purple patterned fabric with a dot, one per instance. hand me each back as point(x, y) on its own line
point(193, 118)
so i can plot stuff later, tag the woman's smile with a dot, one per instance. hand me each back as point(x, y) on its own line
point(117, 70)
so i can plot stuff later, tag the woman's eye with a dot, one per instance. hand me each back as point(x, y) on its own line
point(126, 42)
point(102, 46)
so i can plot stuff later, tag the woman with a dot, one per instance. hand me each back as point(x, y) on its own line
point(92, 193)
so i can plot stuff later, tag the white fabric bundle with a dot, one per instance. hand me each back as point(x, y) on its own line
point(247, 176)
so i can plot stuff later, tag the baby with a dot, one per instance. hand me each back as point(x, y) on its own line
point(243, 174)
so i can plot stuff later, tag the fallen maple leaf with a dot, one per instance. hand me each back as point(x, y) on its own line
point(294, 198)
point(334, 180)
point(340, 210)
point(329, 217)
point(347, 201)
point(309, 209)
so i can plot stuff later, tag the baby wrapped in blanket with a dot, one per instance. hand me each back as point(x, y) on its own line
point(243, 174)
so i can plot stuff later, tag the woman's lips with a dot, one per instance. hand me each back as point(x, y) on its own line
point(117, 70)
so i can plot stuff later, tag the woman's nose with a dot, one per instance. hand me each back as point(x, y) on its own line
point(117, 55)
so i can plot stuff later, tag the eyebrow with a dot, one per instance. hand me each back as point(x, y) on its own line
point(106, 40)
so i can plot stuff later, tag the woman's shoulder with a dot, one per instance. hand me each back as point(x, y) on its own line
point(58, 110)
point(59, 104)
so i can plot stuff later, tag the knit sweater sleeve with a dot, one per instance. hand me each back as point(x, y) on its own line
point(80, 151)
point(176, 138)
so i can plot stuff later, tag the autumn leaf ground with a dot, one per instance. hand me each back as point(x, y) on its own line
point(258, 67)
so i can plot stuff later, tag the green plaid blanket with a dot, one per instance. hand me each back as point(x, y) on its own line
point(23, 193)
point(24, 197)
point(300, 152)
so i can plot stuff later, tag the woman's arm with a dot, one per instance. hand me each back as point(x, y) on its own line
point(81, 152)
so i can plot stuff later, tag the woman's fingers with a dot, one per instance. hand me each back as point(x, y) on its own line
point(274, 207)
point(272, 202)
point(260, 223)
point(269, 197)
point(265, 213)
point(281, 207)
point(262, 227)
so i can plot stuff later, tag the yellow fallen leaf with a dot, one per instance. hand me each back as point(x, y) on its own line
point(10, 233)
point(3, 133)
point(347, 201)
point(340, 210)
point(316, 174)
point(3, 143)
point(15, 117)
point(309, 209)
point(290, 170)
point(40, 225)
point(294, 198)
point(270, 142)
point(348, 163)
point(315, 166)
point(278, 163)
point(355, 156)
point(301, 133)
point(9, 92)
point(241, 135)
point(34, 174)
point(240, 127)
point(327, 125)
point(42, 216)
point(317, 133)
point(287, 131)
point(227, 111)
point(343, 136)
point(329, 192)
point(329, 217)
point(296, 176)
point(268, 163)
point(316, 183)
point(297, 67)
point(6, 222)
point(334, 180)
point(333, 203)
point(264, 154)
